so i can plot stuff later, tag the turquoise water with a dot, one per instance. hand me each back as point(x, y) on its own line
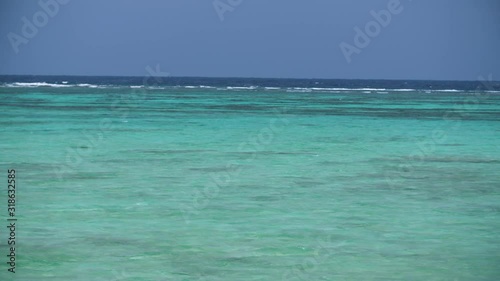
point(205, 184)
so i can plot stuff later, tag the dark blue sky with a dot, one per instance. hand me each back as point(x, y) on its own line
point(426, 39)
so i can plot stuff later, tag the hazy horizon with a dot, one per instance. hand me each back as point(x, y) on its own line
point(240, 77)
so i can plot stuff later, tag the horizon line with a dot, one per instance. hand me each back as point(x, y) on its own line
point(241, 77)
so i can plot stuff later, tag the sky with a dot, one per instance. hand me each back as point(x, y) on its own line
point(342, 39)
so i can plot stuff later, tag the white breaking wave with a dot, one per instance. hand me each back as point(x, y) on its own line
point(447, 91)
point(242, 88)
point(404, 90)
point(299, 90)
point(35, 84)
point(344, 89)
point(52, 85)
point(199, 87)
point(369, 89)
point(65, 84)
point(377, 90)
point(90, 85)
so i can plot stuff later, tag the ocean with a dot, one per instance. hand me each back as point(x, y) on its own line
point(126, 178)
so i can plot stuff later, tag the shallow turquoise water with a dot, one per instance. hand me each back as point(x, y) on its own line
point(199, 184)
